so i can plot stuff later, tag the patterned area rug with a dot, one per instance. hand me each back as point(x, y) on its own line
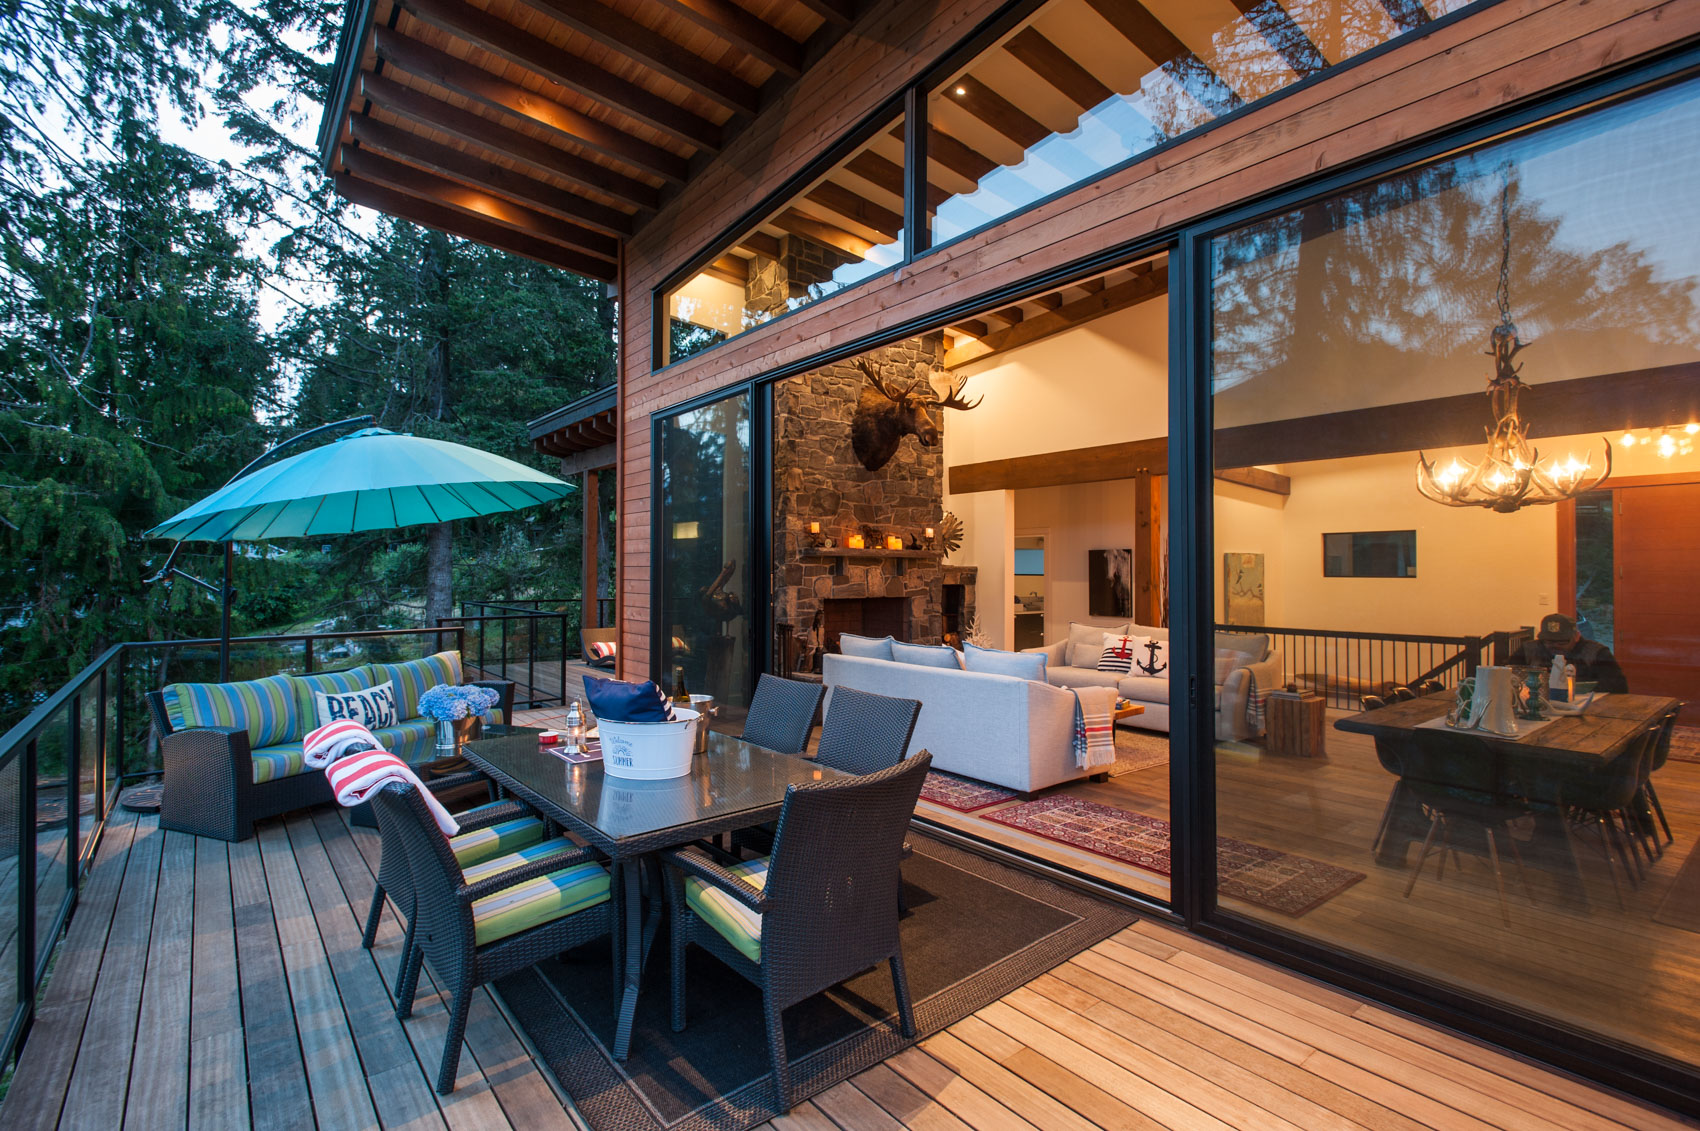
point(1685, 744)
point(965, 795)
point(1279, 881)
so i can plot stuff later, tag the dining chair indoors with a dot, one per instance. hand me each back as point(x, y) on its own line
point(820, 910)
point(782, 713)
point(489, 920)
point(1602, 799)
point(1656, 762)
point(1455, 786)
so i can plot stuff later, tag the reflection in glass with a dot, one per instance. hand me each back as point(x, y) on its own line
point(705, 552)
point(1352, 332)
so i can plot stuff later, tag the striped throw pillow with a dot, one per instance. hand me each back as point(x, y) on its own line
point(309, 687)
point(1120, 652)
point(265, 708)
point(603, 649)
point(416, 677)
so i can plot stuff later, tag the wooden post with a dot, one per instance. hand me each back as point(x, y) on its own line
point(589, 607)
point(1147, 552)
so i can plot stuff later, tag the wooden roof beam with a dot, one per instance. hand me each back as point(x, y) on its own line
point(433, 215)
point(998, 112)
point(972, 327)
point(480, 86)
point(729, 269)
point(749, 34)
point(625, 36)
point(1283, 33)
point(1156, 42)
point(470, 169)
point(1065, 317)
point(1058, 68)
point(839, 12)
point(478, 27)
point(834, 237)
point(760, 243)
point(888, 176)
point(1009, 315)
point(836, 198)
point(380, 170)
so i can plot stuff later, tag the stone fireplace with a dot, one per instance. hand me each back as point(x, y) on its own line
point(817, 478)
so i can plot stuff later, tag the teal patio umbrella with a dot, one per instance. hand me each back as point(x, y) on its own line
point(372, 479)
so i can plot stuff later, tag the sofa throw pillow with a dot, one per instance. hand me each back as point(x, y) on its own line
point(1252, 645)
point(993, 661)
point(1094, 634)
point(865, 647)
point(926, 655)
point(1155, 632)
point(624, 702)
point(1153, 659)
point(416, 677)
point(371, 707)
point(307, 688)
point(265, 708)
point(603, 649)
point(1120, 652)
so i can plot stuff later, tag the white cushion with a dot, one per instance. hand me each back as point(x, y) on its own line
point(1082, 677)
point(1093, 633)
point(1021, 665)
point(865, 647)
point(1155, 632)
point(1145, 689)
point(1252, 644)
point(926, 655)
point(372, 707)
point(1121, 653)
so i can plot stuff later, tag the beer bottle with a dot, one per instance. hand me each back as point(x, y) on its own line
point(680, 695)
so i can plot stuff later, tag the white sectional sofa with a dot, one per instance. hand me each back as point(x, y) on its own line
point(1252, 660)
point(1013, 732)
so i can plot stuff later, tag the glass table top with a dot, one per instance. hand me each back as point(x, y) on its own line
point(733, 777)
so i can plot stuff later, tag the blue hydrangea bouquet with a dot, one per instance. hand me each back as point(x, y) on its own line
point(448, 703)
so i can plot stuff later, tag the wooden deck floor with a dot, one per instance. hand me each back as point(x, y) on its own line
point(219, 986)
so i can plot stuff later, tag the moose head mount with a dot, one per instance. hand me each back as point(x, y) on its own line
point(885, 413)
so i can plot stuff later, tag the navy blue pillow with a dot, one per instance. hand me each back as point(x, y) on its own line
point(622, 702)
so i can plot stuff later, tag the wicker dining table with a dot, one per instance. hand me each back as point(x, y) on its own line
point(734, 785)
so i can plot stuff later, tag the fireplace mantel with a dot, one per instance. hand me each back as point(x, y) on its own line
point(842, 554)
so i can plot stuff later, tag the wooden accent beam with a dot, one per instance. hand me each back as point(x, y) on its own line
point(839, 12)
point(846, 203)
point(1057, 469)
point(1156, 42)
point(729, 268)
point(1009, 315)
point(1058, 68)
point(761, 244)
point(433, 215)
point(1283, 33)
point(480, 86)
point(470, 169)
point(371, 166)
point(749, 34)
point(888, 175)
point(478, 27)
point(1063, 317)
point(591, 459)
point(962, 159)
point(1147, 551)
point(648, 48)
point(1257, 478)
point(997, 112)
point(809, 228)
point(972, 326)
point(1048, 302)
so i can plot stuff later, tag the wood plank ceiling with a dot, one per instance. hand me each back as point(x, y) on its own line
point(553, 128)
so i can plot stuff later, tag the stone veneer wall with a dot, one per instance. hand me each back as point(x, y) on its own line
point(816, 477)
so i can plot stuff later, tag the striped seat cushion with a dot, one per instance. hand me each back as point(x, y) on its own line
point(411, 742)
point(416, 677)
point(496, 865)
point(265, 708)
point(499, 839)
point(538, 901)
point(737, 924)
point(284, 760)
point(307, 686)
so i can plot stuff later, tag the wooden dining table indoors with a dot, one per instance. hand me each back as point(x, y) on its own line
point(1534, 767)
point(733, 785)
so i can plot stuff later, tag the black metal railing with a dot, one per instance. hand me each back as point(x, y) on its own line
point(1344, 666)
point(530, 641)
point(573, 606)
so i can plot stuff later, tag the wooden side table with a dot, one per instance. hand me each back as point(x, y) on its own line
point(1296, 724)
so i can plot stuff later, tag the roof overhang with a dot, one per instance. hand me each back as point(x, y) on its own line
point(589, 423)
point(552, 129)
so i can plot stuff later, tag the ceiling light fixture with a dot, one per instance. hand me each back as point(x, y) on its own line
point(1509, 475)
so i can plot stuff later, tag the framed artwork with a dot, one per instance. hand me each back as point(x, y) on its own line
point(1109, 583)
point(1242, 589)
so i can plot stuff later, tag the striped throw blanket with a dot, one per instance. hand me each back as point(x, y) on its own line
point(345, 736)
point(355, 778)
point(1094, 727)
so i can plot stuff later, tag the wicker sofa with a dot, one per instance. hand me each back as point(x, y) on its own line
point(220, 779)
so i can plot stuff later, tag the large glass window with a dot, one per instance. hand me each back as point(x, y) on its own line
point(1084, 85)
point(843, 228)
point(704, 579)
point(1474, 331)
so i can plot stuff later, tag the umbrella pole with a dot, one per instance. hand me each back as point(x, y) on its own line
point(224, 617)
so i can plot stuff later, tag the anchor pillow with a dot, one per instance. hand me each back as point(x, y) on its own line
point(372, 707)
point(1120, 652)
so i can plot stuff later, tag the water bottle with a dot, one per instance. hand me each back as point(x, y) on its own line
point(575, 726)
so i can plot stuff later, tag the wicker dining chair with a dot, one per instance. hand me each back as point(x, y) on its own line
point(493, 919)
point(820, 910)
point(1403, 694)
point(782, 713)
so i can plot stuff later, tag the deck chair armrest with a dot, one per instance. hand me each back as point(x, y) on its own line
point(455, 781)
point(504, 811)
point(693, 861)
point(530, 870)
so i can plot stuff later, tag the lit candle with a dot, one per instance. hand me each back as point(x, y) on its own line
point(855, 542)
point(893, 542)
point(814, 528)
point(929, 532)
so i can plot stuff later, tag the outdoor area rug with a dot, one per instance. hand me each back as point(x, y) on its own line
point(975, 931)
point(1279, 881)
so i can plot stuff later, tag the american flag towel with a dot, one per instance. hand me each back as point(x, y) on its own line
point(323, 746)
point(1094, 727)
point(355, 778)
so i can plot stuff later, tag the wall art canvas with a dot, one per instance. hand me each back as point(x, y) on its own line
point(1242, 589)
point(1109, 583)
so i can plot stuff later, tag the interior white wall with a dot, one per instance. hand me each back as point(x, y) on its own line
point(988, 542)
point(1077, 519)
point(709, 301)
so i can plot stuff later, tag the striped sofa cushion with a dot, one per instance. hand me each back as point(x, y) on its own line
point(265, 708)
point(416, 677)
point(500, 839)
point(411, 742)
point(538, 901)
point(307, 686)
point(736, 923)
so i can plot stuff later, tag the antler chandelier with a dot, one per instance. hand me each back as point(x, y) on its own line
point(1510, 475)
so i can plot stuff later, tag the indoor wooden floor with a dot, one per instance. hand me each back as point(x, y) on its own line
point(222, 986)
